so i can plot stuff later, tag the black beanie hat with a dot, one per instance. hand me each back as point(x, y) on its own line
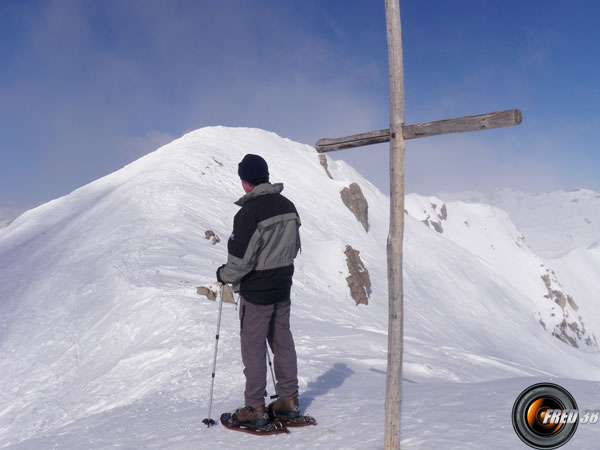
point(253, 169)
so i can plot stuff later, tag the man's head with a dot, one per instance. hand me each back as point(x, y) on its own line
point(253, 170)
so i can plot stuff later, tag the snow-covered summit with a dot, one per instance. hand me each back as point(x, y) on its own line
point(98, 306)
point(100, 321)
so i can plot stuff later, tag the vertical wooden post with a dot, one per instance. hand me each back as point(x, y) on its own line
point(396, 233)
point(396, 134)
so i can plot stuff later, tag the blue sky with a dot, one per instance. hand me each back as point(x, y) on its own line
point(88, 86)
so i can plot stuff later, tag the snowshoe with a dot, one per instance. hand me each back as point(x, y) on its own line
point(230, 421)
point(288, 412)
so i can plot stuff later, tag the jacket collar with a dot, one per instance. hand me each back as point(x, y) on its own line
point(261, 189)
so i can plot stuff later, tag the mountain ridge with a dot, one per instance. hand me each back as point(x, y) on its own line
point(98, 309)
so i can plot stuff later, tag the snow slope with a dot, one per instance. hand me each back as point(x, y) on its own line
point(104, 342)
point(579, 271)
point(553, 223)
point(488, 232)
point(563, 228)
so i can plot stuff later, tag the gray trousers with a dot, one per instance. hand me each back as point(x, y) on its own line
point(260, 324)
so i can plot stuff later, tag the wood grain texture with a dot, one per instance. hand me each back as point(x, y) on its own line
point(393, 387)
point(487, 121)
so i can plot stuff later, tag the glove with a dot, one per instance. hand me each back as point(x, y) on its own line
point(219, 274)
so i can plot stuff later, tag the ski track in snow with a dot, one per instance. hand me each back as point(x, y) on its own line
point(105, 344)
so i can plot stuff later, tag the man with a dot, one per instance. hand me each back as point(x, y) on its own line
point(260, 265)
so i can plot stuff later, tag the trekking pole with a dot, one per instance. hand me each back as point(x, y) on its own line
point(208, 421)
point(276, 395)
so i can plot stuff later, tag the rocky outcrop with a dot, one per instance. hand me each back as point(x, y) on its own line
point(358, 281)
point(212, 294)
point(206, 292)
point(356, 202)
point(210, 235)
point(569, 326)
point(436, 221)
point(323, 161)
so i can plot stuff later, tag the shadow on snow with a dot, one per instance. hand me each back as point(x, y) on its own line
point(331, 379)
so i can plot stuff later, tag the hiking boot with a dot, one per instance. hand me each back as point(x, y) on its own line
point(285, 409)
point(253, 417)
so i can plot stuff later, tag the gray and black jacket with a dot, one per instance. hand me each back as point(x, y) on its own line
point(263, 245)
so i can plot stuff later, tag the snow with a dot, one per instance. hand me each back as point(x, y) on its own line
point(104, 342)
point(554, 223)
point(562, 228)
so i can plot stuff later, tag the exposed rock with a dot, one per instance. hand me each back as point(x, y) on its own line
point(572, 303)
point(558, 296)
point(323, 161)
point(434, 219)
point(359, 281)
point(214, 239)
point(218, 162)
point(436, 225)
point(212, 294)
point(560, 333)
point(569, 330)
point(356, 202)
point(443, 213)
point(207, 292)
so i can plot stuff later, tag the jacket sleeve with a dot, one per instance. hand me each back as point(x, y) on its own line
point(298, 241)
point(242, 247)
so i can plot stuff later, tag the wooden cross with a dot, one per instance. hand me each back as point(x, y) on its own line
point(396, 135)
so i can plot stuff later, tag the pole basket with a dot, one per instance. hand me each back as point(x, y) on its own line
point(208, 422)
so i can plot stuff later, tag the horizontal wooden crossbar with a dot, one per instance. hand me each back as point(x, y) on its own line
point(458, 125)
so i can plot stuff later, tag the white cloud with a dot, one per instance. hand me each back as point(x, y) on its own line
point(137, 146)
point(8, 214)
